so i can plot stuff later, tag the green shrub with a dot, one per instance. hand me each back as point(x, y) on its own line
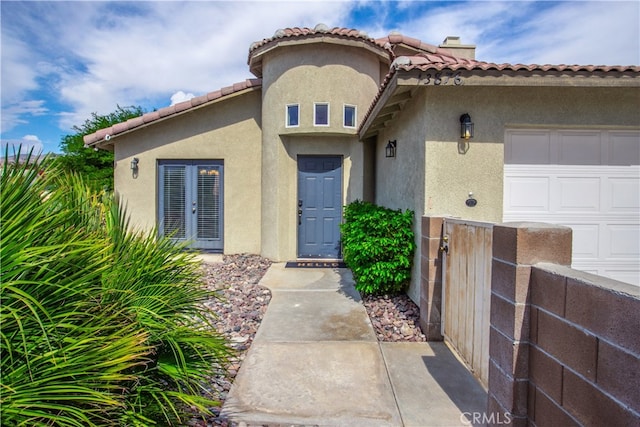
point(99, 326)
point(378, 247)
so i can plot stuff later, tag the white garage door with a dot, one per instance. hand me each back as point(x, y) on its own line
point(588, 180)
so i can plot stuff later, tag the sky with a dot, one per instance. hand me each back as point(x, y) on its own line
point(61, 61)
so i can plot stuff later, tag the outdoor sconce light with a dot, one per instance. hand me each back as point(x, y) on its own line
point(466, 126)
point(390, 150)
point(134, 164)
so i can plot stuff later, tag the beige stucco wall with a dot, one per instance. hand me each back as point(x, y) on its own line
point(427, 131)
point(400, 180)
point(228, 131)
point(319, 72)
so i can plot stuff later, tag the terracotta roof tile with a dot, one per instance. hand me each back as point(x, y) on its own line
point(397, 38)
point(441, 61)
point(198, 100)
point(153, 116)
point(319, 29)
point(150, 117)
point(214, 95)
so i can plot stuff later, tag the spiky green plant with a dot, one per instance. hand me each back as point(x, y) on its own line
point(99, 325)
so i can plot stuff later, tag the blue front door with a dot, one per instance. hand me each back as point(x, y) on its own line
point(319, 206)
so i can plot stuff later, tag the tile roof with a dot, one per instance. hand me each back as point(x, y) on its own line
point(107, 133)
point(304, 33)
point(387, 43)
point(320, 29)
point(395, 38)
point(440, 60)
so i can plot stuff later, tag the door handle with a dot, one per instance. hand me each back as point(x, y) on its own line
point(299, 216)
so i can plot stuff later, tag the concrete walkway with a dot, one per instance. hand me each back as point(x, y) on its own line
point(316, 361)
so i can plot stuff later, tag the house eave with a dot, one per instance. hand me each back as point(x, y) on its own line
point(402, 85)
point(107, 140)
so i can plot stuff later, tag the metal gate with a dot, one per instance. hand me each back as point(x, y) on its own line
point(467, 251)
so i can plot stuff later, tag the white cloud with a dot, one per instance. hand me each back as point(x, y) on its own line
point(13, 114)
point(569, 32)
point(17, 74)
point(180, 96)
point(24, 145)
point(134, 58)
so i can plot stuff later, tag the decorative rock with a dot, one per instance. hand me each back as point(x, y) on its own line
point(395, 318)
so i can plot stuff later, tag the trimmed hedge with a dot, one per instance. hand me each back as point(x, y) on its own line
point(378, 246)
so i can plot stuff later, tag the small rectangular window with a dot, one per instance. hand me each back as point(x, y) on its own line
point(293, 115)
point(321, 114)
point(349, 116)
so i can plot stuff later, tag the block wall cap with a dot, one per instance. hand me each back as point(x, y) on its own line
point(534, 225)
point(589, 279)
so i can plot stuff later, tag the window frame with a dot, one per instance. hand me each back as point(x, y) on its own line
point(287, 116)
point(315, 114)
point(355, 116)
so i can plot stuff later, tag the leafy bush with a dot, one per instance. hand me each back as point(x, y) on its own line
point(378, 247)
point(100, 326)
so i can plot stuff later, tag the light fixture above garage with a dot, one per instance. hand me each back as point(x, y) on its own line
point(466, 126)
point(134, 164)
point(390, 150)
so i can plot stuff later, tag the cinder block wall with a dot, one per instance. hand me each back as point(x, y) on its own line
point(584, 353)
point(564, 345)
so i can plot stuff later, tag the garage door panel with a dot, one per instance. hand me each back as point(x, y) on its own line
point(597, 193)
point(579, 148)
point(624, 194)
point(528, 193)
point(586, 240)
point(534, 146)
point(624, 148)
point(624, 241)
point(577, 194)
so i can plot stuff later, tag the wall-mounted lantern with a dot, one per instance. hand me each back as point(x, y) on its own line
point(134, 164)
point(390, 150)
point(466, 126)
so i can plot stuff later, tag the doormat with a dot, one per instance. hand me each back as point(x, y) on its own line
point(315, 264)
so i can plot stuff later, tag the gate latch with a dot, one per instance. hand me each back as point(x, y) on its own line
point(445, 244)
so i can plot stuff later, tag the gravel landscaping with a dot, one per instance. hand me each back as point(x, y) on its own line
point(241, 305)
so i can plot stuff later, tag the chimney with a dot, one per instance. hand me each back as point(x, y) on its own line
point(453, 46)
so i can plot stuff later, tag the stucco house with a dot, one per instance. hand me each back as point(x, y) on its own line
point(333, 115)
